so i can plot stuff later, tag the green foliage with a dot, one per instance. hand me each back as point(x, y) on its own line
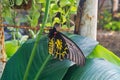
point(64, 3)
point(12, 46)
point(36, 13)
point(54, 67)
point(18, 2)
point(101, 52)
point(33, 17)
point(113, 25)
point(95, 69)
point(106, 21)
point(6, 11)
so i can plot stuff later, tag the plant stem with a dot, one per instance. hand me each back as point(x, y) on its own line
point(42, 67)
point(37, 41)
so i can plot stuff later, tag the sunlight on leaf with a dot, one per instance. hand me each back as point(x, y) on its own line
point(101, 52)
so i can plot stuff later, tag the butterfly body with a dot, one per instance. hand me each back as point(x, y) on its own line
point(62, 47)
point(57, 45)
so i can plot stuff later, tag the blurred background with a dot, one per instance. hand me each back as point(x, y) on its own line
point(22, 20)
point(109, 24)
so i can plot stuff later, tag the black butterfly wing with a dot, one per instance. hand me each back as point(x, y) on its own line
point(60, 46)
point(75, 54)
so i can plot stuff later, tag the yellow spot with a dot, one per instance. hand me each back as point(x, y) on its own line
point(56, 48)
point(58, 44)
point(51, 46)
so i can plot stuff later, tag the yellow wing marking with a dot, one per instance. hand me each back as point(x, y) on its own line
point(51, 46)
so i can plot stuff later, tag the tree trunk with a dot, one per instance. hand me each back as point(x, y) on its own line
point(88, 22)
point(115, 4)
point(2, 49)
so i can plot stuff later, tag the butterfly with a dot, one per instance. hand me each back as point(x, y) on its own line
point(62, 47)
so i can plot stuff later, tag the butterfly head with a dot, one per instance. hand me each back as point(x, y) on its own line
point(57, 27)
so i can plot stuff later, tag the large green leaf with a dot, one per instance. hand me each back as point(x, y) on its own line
point(54, 70)
point(95, 69)
point(16, 66)
point(101, 52)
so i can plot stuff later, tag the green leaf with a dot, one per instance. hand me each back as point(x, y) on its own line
point(54, 6)
point(59, 68)
point(36, 15)
point(15, 67)
point(9, 20)
point(94, 69)
point(19, 2)
point(33, 35)
point(63, 19)
point(86, 44)
point(54, 70)
point(18, 35)
point(34, 23)
point(48, 24)
point(43, 9)
point(54, 9)
point(73, 9)
point(29, 18)
point(11, 47)
point(6, 12)
point(101, 52)
point(65, 3)
point(56, 20)
point(41, 1)
point(34, 20)
point(73, 1)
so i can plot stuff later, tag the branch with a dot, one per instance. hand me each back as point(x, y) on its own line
point(33, 28)
point(23, 27)
point(79, 16)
